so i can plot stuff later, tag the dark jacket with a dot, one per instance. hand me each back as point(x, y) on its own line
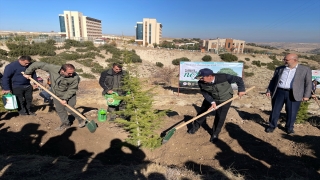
point(63, 87)
point(221, 89)
point(13, 78)
point(1, 79)
point(107, 79)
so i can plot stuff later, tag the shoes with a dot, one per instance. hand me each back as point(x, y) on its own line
point(269, 130)
point(23, 114)
point(32, 113)
point(48, 101)
point(193, 130)
point(214, 138)
point(82, 123)
point(62, 127)
point(290, 131)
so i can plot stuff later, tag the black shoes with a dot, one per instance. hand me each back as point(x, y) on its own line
point(32, 113)
point(214, 138)
point(23, 114)
point(269, 130)
point(193, 130)
point(290, 131)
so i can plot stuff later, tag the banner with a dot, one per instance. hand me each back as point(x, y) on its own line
point(316, 74)
point(189, 70)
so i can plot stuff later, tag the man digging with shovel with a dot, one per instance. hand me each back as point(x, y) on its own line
point(216, 89)
point(64, 84)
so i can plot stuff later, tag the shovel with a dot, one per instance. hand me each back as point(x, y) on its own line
point(91, 125)
point(172, 131)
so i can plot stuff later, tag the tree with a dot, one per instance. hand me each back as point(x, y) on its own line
point(206, 58)
point(142, 120)
point(227, 71)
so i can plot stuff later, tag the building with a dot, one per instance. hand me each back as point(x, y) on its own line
point(218, 45)
point(79, 27)
point(148, 32)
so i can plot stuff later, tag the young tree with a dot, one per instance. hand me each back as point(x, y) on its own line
point(141, 119)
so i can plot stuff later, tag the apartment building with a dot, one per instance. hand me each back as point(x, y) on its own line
point(230, 45)
point(148, 32)
point(79, 27)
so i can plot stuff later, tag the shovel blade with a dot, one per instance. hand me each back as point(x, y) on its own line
point(92, 126)
point(168, 136)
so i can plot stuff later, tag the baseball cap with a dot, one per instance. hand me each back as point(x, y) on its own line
point(204, 72)
point(317, 79)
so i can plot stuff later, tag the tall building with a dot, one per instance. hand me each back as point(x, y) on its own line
point(148, 32)
point(231, 45)
point(77, 26)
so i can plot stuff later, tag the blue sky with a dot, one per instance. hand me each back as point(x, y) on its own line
point(249, 20)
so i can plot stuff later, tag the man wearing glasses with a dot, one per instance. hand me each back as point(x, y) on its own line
point(289, 85)
point(64, 84)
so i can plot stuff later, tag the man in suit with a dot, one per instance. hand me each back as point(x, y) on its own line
point(289, 85)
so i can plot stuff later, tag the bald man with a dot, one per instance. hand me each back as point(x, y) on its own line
point(290, 84)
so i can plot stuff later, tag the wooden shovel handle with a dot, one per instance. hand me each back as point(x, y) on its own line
point(53, 95)
point(210, 110)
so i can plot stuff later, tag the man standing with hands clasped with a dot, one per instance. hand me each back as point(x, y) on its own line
point(289, 85)
point(216, 89)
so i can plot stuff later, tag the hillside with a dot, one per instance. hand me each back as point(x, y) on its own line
point(31, 149)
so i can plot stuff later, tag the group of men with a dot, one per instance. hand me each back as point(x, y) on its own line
point(64, 82)
point(290, 85)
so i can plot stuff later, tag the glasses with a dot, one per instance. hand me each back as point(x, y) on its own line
point(287, 59)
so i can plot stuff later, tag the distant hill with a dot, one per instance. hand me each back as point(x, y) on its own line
point(315, 51)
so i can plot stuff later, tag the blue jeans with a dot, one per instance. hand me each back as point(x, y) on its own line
point(46, 96)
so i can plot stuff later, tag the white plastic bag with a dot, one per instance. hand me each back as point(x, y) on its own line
point(10, 101)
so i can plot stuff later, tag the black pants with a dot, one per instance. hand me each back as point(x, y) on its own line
point(24, 97)
point(220, 116)
point(111, 110)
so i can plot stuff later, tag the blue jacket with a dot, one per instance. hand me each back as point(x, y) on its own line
point(13, 78)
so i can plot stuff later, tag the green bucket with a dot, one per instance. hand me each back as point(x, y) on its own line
point(102, 115)
point(112, 99)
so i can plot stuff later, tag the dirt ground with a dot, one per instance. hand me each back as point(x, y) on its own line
point(243, 147)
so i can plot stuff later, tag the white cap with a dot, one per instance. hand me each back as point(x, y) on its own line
point(317, 79)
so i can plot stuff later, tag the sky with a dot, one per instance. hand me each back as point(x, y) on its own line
point(248, 20)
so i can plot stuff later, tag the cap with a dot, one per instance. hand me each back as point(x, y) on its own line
point(204, 72)
point(317, 79)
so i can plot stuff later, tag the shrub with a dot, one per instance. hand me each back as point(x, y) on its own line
point(228, 57)
point(159, 64)
point(247, 59)
point(248, 74)
point(79, 70)
point(246, 67)
point(206, 58)
point(176, 62)
point(257, 63)
point(253, 55)
point(87, 75)
point(302, 114)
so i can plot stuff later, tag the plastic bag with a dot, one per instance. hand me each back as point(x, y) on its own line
point(10, 101)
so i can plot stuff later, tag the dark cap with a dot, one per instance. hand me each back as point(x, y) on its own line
point(204, 72)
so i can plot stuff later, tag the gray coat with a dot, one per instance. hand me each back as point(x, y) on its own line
point(302, 82)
